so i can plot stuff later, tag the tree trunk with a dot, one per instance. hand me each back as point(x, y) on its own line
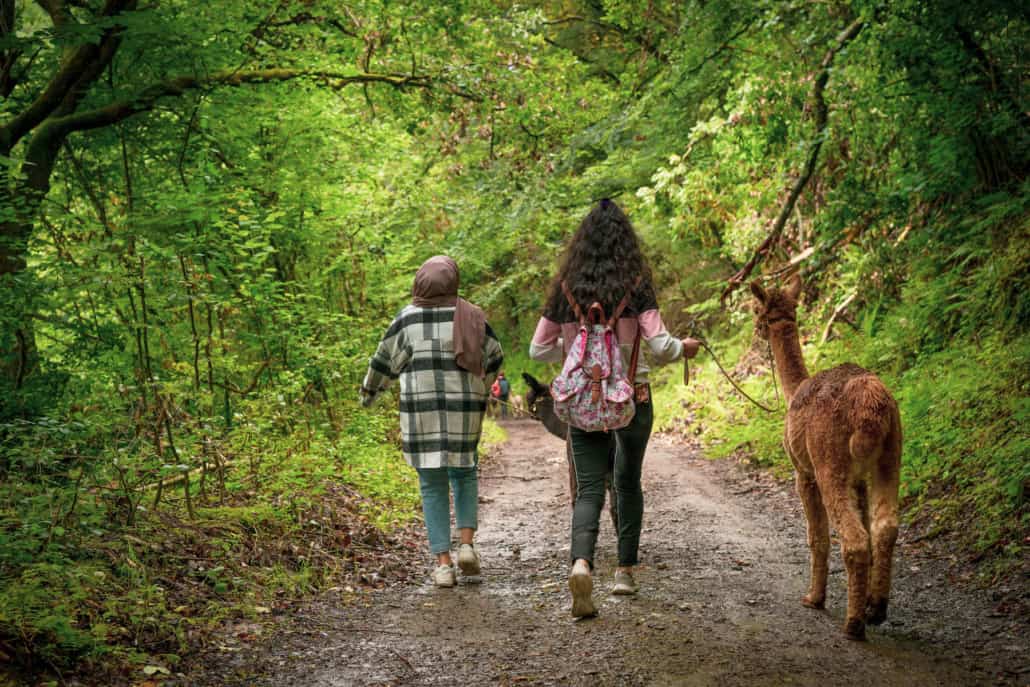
point(25, 189)
point(18, 357)
point(19, 207)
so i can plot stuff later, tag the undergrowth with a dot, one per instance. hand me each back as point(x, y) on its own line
point(84, 587)
point(84, 590)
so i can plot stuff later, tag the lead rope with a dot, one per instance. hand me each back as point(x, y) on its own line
point(515, 409)
point(772, 371)
point(736, 386)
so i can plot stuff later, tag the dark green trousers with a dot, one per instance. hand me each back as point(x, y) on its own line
point(590, 451)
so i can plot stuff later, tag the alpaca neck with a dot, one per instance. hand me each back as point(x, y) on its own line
point(545, 410)
point(790, 363)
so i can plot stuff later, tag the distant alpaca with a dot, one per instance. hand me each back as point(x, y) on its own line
point(518, 405)
point(541, 407)
point(843, 434)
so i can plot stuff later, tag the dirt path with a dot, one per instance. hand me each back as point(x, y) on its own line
point(724, 567)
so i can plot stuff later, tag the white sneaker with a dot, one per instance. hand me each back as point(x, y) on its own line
point(443, 576)
point(625, 585)
point(581, 584)
point(468, 559)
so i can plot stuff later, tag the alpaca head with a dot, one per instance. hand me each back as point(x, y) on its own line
point(535, 392)
point(775, 305)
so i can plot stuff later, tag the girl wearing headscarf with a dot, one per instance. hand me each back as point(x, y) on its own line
point(446, 355)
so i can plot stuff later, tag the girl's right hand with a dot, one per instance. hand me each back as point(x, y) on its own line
point(690, 347)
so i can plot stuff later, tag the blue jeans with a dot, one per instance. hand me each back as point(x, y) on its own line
point(436, 502)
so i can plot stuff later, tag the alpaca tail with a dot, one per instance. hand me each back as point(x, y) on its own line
point(870, 414)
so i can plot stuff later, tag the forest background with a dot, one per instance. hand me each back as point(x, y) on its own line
point(210, 212)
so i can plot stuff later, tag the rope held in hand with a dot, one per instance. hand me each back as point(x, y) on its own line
point(730, 379)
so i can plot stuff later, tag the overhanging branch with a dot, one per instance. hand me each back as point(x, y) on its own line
point(821, 115)
point(67, 78)
point(146, 100)
point(585, 59)
point(57, 11)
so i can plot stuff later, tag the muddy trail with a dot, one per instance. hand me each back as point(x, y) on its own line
point(724, 565)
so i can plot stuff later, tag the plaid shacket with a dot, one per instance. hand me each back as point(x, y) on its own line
point(441, 405)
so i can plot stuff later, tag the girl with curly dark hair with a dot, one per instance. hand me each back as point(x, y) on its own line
point(603, 263)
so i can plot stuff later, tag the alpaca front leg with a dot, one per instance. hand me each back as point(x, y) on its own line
point(818, 539)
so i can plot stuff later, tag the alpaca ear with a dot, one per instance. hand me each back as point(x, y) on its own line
point(532, 382)
point(794, 287)
point(758, 291)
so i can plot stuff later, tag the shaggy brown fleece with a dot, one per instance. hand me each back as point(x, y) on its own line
point(843, 435)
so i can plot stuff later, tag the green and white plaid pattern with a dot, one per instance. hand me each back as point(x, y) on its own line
point(442, 405)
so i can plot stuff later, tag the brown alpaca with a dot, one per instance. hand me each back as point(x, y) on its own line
point(843, 434)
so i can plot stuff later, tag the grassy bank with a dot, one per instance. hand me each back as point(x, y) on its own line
point(965, 411)
point(88, 589)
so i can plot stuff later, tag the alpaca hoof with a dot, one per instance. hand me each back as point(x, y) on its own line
point(855, 629)
point(876, 611)
point(809, 601)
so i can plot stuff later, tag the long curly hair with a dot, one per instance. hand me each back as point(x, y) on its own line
point(600, 263)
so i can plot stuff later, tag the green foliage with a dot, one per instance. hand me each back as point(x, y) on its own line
point(196, 287)
point(42, 606)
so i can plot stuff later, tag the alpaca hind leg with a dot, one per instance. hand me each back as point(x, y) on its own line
point(818, 539)
point(884, 534)
point(855, 548)
point(613, 504)
point(609, 481)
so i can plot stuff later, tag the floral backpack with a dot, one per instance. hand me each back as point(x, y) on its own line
point(594, 392)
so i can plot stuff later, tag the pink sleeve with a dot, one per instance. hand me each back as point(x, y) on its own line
point(651, 324)
point(547, 332)
point(546, 345)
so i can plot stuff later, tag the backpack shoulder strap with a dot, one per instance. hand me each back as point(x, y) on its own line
point(622, 304)
point(576, 310)
point(634, 357)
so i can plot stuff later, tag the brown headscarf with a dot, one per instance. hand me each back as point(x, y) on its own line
point(436, 285)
